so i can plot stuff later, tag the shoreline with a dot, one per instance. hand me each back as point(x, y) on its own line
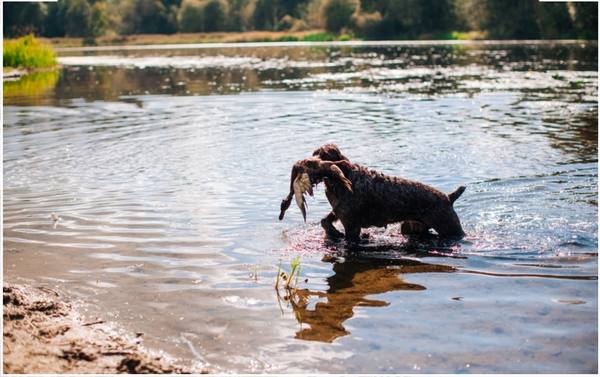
point(16, 73)
point(43, 332)
point(313, 37)
point(179, 38)
point(351, 43)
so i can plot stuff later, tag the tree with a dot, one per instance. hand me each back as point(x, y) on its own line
point(469, 15)
point(234, 17)
point(436, 16)
point(374, 19)
point(23, 18)
point(148, 17)
point(78, 18)
point(202, 15)
point(338, 14)
point(190, 16)
point(56, 19)
point(401, 18)
point(514, 21)
point(553, 20)
point(585, 17)
point(265, 14)
point(98, 19)
point(214, 15)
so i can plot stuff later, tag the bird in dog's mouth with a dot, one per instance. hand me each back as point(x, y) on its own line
point(306, 174)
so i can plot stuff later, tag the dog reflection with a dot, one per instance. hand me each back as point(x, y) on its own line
point(349, 287)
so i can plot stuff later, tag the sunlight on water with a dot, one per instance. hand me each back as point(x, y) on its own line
point(149, 184)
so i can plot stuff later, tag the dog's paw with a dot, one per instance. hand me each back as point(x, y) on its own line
point(333, 234)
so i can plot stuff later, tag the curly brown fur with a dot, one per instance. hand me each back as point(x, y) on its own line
point(329, 152)
point(376, 199)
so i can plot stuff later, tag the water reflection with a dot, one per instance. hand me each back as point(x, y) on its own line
point(140, 172)
point(353, 281)
point(575, 132)
point(31, 85)
point(393, 70)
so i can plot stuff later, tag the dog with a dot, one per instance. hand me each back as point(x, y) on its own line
point(361, 198)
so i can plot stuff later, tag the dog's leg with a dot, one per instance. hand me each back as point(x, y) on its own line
point(414, 228)
point(352, 232)
point(327, 224)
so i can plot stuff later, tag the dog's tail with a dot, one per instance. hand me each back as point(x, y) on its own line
point(456, 194)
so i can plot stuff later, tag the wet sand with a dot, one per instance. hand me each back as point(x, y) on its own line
point(44, 333)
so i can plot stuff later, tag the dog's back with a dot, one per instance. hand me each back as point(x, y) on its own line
point(377, 199)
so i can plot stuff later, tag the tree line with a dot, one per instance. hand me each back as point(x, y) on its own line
point(368, 19)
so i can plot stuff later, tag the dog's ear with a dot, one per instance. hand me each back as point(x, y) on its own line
point(333, 172)
point(339, 175)
point(456, 194)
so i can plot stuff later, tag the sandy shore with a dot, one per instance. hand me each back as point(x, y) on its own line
point(44, 333)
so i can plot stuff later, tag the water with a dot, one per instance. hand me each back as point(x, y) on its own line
point(166, 169)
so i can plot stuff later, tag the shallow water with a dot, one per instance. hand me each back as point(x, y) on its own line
point(166, 170)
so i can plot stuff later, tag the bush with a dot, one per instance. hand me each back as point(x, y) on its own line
point(345, 37)
point(287, 38)
point(368, 24)
point(285, 23)
point(27, 52)
point(338, 14)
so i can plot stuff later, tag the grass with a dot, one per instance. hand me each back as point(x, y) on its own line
point(292, 276)
point(182, 38)
point(315, 37)
point(214, 37)
point(465, 36)
point(319, 37)
point(290, 285)
point(240, 37)
point(27, 52)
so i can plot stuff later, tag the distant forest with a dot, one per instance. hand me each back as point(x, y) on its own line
point(368, 19)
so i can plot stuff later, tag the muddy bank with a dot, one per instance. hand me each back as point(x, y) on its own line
point(44, 333)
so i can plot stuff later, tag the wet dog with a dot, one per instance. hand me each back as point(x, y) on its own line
point(361, 198)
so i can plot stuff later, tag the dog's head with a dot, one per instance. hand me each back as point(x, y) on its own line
point(329, 152)
point(308, 173)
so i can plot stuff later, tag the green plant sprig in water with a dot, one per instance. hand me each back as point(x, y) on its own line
point(292, 275)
